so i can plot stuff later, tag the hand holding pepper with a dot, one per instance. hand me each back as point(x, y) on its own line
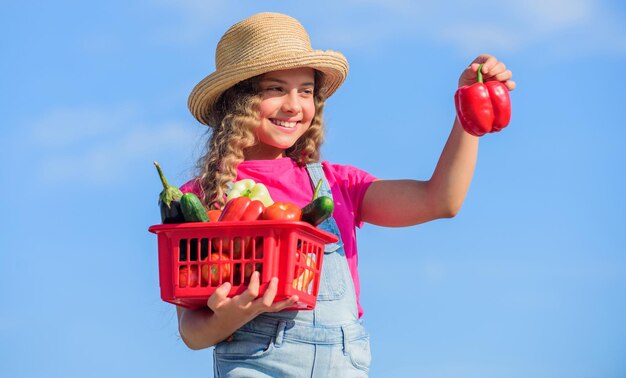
point(482, 100)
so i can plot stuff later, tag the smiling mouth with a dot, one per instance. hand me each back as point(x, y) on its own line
point(286, 124)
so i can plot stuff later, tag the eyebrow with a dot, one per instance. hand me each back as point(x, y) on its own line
point(308, 83)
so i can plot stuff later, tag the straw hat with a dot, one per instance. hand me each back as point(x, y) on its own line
point(259, 44)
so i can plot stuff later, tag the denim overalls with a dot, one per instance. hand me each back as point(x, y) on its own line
point(328, 341)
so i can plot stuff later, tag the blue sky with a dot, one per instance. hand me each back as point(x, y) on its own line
point(529, 280)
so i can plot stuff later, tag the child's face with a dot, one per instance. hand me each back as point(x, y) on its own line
point(286, 111)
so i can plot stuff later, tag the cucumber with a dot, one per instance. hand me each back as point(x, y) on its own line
point(193, 211)
point(318, 210)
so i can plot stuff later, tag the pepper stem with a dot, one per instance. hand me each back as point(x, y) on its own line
point(479, 74)
point(163, 180)
point(316, 193)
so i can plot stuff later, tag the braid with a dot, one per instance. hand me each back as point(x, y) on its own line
point(235, 116)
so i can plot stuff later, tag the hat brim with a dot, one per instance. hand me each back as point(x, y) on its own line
point(332, 64)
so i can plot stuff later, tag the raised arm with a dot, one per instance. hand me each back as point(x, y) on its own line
point(414, 202)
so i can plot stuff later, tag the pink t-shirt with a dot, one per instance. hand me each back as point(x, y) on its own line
point(286, 181)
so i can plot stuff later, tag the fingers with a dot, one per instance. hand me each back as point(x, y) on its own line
point(248, 304)
point(267, 300)
point(252, 292)
point(494, 70)
point(502, 76)
point(270, 293)
point(489, 63)
point(279, 306)
point(510, 84)
point(219, 296)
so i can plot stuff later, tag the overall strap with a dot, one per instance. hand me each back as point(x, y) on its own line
point(316, 172)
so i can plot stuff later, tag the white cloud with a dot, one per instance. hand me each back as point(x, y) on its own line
point(557, 13)
point(580, 26)
point(66, 126)
point(512, 26)
point(476, 38)
point(197, 20)
point(103, 145)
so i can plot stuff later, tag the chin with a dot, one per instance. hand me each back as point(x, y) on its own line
point(283, 146)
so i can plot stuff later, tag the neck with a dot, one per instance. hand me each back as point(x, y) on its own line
point(256, 153)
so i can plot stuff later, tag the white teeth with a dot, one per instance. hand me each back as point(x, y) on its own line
point(284, 124)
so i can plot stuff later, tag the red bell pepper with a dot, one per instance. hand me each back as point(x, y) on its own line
point(239, 209)
point(242, 209)
point(483, 107)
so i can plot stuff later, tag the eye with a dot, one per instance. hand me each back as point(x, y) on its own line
point(308, 91)
point(273, 89)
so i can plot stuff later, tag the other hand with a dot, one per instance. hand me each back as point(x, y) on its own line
point(246, 306)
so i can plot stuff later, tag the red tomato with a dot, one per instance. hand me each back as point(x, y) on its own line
point(187, 276)
point(214, 215)
point(282, 211)
point(224, 262)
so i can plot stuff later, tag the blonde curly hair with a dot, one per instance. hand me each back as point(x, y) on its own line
point(232, 122)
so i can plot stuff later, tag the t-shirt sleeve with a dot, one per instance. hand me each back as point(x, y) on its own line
point(353, 183)
point(192, 186)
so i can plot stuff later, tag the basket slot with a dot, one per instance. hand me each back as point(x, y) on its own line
point(182, 250)
point(257, 248)
point(204, 248)
point(305, 266)
point(193, 249)
point(243, 272)
point(244, 264)
point(188, 249)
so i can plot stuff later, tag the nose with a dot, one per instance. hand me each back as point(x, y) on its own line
point(292, 103)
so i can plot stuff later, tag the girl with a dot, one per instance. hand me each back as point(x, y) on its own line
point(264, 105)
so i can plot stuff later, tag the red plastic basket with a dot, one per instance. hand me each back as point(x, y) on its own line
point(195, 258)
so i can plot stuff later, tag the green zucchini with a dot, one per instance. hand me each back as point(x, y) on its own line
point(193, 211)
point(318, 210)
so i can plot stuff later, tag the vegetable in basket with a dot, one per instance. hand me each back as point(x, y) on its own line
point(241, 209)
point(249, 188)
point(211, 272)
point(304, 276)
point(193, 210)
point(282, 211)
point(214, 215)
point(188, 277)
point(319, 209)
point(169, 200)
